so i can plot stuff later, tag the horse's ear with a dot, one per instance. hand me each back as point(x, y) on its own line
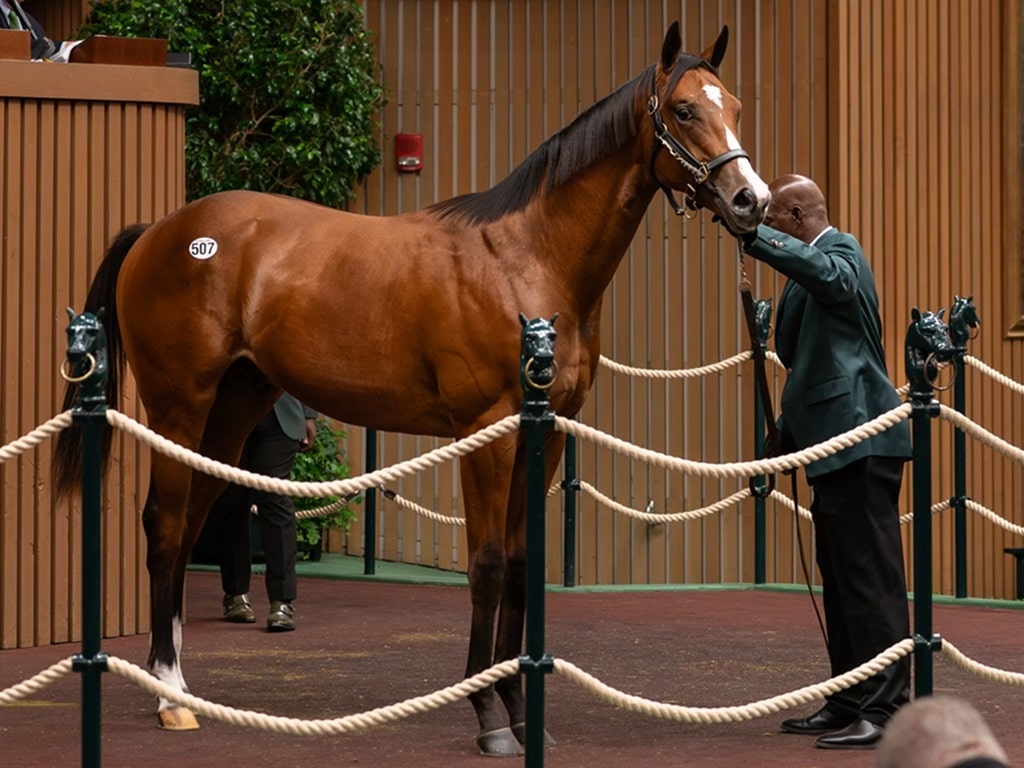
point(672, 47)
point(915, 314)
point(714, 54)
point(523, 320)
point(71, 313)
point(553, 318)
point(940, 313)
point(101, 313)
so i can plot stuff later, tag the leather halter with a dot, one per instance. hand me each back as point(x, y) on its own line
point(698, 170)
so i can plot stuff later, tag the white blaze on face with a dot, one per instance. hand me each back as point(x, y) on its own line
point(755, 182)
point(714, 93)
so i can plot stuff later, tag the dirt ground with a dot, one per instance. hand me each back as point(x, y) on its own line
point(362, 645)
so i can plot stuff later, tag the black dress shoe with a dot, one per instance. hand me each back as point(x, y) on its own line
point(861, 734)
point(825, 720)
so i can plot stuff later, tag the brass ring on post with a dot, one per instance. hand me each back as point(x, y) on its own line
point(529, 378)
point(76, 379)
point(938, 369)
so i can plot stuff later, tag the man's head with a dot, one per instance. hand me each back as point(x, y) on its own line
point(797, 207)
point(938, 732)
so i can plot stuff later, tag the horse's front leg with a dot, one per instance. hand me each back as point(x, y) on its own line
point(512, 616)
point(485, 483)
point(163, 519)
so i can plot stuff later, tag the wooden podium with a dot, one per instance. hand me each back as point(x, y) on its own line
point(88, 148)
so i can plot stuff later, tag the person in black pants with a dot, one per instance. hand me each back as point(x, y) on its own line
point(828, 333)
point(269, 450)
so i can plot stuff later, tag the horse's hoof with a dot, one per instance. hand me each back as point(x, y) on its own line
point(519, 729)
point(500, 742)
point(178, 719)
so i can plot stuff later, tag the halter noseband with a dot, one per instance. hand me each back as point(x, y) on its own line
point(698, 170)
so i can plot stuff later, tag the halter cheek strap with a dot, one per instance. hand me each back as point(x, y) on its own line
point(698, 170)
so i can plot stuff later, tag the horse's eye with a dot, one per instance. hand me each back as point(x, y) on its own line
point(684, 112)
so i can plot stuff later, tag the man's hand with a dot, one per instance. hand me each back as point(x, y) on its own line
point(746, 238)
point(307, 442)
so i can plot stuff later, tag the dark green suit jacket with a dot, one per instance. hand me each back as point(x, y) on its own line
point(829, 336)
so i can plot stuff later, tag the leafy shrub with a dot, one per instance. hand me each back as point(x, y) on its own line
point(324, 461)
point(288, 89)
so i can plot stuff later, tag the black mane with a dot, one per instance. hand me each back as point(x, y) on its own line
point(601, 129)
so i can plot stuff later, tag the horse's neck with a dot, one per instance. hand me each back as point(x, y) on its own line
point(584, 227)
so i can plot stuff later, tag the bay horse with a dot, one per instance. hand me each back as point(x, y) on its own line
point(237, 296)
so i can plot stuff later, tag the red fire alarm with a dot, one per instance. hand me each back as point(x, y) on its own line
point(409, 152)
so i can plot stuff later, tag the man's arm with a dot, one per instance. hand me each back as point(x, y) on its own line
point(831, 275)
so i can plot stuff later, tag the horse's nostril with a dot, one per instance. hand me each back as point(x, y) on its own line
point(744, 200)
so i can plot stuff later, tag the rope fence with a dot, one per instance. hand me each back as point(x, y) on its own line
point(453, 693)
point(420, 704)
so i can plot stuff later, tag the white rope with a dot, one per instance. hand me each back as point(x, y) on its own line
point(334, 726)
point(390, 474)
point(414, 507)
point(739, 468)
point(35, 684)
point(52, 427)
point(450, 694)
point(782, 498)
point(989, 514)
point(685, 373)
point(982, 670)
point(981, 434)
point(665, 517)
point(735, 714)
point(1006, 381)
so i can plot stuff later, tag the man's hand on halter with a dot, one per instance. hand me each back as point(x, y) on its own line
point(746, 239)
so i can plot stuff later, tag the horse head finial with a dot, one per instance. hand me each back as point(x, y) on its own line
point(85, 364)
point(963, 321)
point(927, 345)
point(537, 366)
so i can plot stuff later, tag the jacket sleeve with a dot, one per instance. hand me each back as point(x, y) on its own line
point(830, 274)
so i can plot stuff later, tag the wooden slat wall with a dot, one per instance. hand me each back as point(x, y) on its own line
point(883, 103)
point(926, 97)
point(74, 172)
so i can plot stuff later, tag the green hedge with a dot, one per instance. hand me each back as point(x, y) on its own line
point(289, 90)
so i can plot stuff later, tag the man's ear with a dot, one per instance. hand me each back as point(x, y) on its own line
point(797, 213)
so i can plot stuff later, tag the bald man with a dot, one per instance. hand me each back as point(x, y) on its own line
point(829, 335)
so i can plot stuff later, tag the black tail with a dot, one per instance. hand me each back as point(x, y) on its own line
point(67, 457)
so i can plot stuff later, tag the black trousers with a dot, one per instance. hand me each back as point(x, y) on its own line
point(267, 451)
point(864, 589)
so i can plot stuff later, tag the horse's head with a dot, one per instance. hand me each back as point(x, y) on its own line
point(86, 361)
point(694, 119)
point(927, 345)
point(537, 353)
point(963, 321)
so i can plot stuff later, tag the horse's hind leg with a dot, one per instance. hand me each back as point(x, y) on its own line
point(512, 615)
point(485, 477)
point(175, 510)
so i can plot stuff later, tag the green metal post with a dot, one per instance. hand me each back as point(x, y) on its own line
point(960, 480)
point(370, 517)
point(924, 411)
point(927, 344)
point(570, 487)
point(537, 421)
point(963, 318)
point(760, 539)
point(87, 347)
point(759, 486)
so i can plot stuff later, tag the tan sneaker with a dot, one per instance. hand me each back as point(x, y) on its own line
point(238, 609)
point(281, 618)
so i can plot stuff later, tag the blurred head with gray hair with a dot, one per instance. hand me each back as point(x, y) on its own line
point(939, 732)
